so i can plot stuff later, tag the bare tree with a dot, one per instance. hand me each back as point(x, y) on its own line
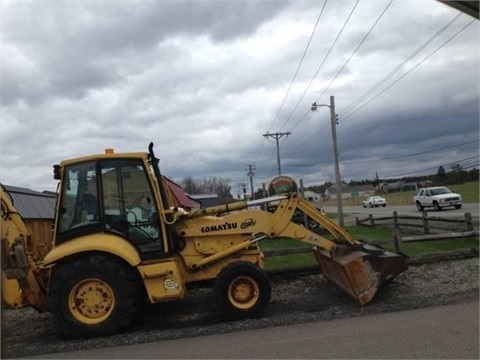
point(212, 185)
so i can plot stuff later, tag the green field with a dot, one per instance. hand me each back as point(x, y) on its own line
point(366, 234)
point(469, 192)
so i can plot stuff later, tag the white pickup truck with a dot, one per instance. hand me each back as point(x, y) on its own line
point(437, 197)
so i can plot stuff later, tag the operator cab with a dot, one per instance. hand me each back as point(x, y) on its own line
point(109, 196)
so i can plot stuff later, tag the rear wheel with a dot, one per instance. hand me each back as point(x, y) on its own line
point(95, 295)
point(419, 206)
point(242, 290)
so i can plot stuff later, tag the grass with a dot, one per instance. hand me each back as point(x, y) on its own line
point(469, 191)
point(364, 233)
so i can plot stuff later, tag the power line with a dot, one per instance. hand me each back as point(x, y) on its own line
point(356, 49)
point(299, 65)
point(409, 155)
point(432, 168)
point(319, 68)
point(349, 108)
point(294, 76)
point(342, 67)
point(399, 67)
point(413, 68)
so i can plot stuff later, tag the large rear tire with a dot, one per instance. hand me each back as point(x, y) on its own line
point(242, 290)
point(95, 295)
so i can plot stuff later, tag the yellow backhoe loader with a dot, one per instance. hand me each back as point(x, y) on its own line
point(121, 240)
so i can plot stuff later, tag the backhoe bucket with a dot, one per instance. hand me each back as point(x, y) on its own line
point(360, 272)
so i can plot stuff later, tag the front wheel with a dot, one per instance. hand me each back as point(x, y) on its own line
point(458, 206)
point(312, 224)
point(242, 290)
point(437, 206)
point(95, 295)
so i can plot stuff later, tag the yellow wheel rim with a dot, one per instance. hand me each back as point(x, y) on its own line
point(243, 292)
point(91, 301)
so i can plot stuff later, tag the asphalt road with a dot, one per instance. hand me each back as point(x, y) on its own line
point(351, 211)
point(447, 332)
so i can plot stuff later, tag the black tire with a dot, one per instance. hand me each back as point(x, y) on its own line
point(436, 206)
point(242, 290)
point(419, 206)
point(95, 295)
point(458, 206)
point(312, 224)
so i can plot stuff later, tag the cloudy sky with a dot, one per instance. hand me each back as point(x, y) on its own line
point(214, 83)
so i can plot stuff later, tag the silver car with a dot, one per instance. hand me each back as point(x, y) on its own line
point(374, 201)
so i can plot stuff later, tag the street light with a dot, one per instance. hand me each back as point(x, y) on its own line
point(333, 120)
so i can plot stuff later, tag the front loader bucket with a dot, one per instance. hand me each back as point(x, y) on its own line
point(360, 272)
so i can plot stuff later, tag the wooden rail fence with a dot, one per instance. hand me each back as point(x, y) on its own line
point(400, 221)
point(423, 221)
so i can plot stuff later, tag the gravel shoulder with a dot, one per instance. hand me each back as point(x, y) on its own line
point(295, 299)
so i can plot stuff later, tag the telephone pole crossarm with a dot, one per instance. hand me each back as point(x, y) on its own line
point(278, 136)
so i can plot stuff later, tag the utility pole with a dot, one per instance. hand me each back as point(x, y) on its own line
point(243, 186)
point(338, 182)
point(277, 136)
point(250, 170)
point(333, 119)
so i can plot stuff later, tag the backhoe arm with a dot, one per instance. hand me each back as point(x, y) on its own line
point(285, 212)
point(22, 284)
point(357, 268)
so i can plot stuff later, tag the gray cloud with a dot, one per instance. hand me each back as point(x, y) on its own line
point(205, 79)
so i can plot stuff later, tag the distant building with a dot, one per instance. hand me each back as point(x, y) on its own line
point(397, 186)
point(355, 191)
point(32, 205)
point(205, 200)
point(312, 196)
point(180, 197)
point(37, 210)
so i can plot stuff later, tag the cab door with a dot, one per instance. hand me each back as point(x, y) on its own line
point(129, 208)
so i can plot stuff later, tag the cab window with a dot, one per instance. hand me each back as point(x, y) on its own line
point(129, 208)
point(78, 199)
